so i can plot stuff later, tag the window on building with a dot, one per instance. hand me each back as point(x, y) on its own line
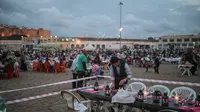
point(82, 45)
point(179, 40)
point(184, 44)
point(194, 39)
point(98, 46)
point(141, 46)
point(103, 46)
point(72, 46)
point(77, 46)
point(171, 40)
point(165, 45)
point(159, 44)
point(191, 44)
point(164, 40)
point(186, 40)
point(147, 46)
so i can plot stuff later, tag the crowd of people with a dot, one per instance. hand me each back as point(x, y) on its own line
point(53, 60)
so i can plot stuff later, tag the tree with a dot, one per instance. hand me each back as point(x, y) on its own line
point(150, 38)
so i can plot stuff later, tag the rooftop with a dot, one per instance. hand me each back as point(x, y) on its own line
point(106, 39)
point(180, 36)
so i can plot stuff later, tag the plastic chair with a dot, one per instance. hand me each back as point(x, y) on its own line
point(71, 99)
point(163, 89)
point(136, 86)
point(63, 66)
point(185, 93)
point(40, 66)
point(34, 66)
point(9, 74)
point(47, 66)
point(57, 67)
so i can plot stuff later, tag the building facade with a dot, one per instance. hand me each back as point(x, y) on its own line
point(179, 42)
point(6, 30)
point(73, 43)
point(11, 43)
point(103, 43)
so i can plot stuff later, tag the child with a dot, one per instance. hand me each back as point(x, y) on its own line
point(95, 68)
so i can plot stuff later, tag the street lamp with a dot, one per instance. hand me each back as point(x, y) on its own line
point(120, 23)
point(194, 44)
point(120, 29)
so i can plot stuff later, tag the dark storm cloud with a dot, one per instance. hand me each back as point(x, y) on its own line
point(89, 17)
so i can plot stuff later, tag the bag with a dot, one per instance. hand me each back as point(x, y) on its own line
point(123, 96)
point(74, 63)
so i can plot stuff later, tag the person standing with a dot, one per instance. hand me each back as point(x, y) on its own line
point(195, 64)
point(73, 67)
point(81, 68)
point(147, 62)
point(97, 59)
point(120, 72)
point(23, 63)
point(156, 65)
point(190, 57)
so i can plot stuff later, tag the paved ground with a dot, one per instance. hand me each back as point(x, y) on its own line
point(55, 103)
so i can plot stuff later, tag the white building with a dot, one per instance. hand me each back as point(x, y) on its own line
point(183, 41)
point(104, 43)
point(15, 43)
point(11, 43)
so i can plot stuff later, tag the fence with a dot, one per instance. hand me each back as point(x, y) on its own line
point(86, 78)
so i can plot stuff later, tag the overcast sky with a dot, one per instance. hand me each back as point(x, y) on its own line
point(141, 18)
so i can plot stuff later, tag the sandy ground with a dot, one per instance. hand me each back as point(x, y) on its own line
point(56, 103)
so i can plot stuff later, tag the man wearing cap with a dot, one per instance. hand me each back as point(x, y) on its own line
point(120, 72)
point(81, 68)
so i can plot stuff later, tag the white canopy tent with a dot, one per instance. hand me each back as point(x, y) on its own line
point(89, 47)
